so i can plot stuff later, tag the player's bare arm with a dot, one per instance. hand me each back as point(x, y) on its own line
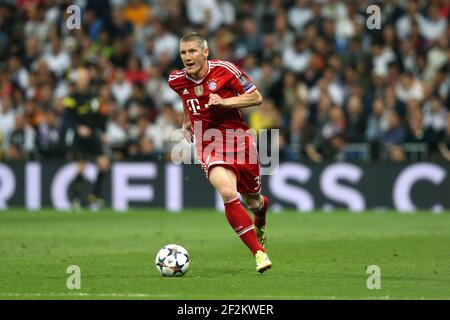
point(186, 122)
point(186, 128)
point(243, 101)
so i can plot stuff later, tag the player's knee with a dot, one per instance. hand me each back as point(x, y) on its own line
point(228, 193)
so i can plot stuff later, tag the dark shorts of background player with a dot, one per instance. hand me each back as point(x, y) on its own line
point(87, 148)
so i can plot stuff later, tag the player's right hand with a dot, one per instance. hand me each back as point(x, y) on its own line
point(216, 100)
point(187, 134)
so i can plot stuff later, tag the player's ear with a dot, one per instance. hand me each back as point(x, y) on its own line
point(206, 53)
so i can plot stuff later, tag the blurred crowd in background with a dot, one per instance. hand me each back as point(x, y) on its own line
point(335, 89)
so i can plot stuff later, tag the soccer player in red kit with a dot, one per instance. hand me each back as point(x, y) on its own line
point(213, 91)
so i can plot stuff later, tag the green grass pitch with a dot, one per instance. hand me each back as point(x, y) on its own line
point(315, 255)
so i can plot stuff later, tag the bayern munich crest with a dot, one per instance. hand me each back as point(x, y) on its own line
point(212, 85)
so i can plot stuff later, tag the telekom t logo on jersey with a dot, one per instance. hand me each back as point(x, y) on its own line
point(194, 105)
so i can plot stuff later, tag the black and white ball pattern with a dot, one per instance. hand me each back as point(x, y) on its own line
point(172, 261)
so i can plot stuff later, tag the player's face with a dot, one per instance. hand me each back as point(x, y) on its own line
point(194, 58)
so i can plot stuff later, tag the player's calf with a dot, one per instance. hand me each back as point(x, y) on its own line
point(259, 208)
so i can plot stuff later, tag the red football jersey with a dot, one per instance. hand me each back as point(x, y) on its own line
point(226, 80)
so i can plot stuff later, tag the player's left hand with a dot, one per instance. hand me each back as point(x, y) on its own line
point(216, 100)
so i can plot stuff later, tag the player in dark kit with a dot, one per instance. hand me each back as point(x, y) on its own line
point(82, 108)
point(213, 91)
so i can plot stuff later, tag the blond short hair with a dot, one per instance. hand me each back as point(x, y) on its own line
point(193, 36)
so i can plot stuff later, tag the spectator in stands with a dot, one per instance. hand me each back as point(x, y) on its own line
point(269, 84)
point(432, 26)
point(117, 135)
point(334, 121)
point(396, 153)
point(332, 134)
point(392, 103)
point(32, 53)
point(284, 36)
point(435, 114)
point(416, 132)
point(297, 57)
point(48, 137)
point(435, 122)
point(395, 131)
point(444, 141)
point(18, 73)
point(437, 58)
point(119, 26)
point(161, 130)
point(36, 25)
point(409, 88)
point(7, 120)
point(135, 72)
point(251, 39)
point(121, 88)
point(301, 141)
point(337, 149)
point(33, 115)
point(144, 150)
point(166, 44)
point(405, 22)
point(382, 56)
point(140, 104)
point(57, 59)
point(222, 44)
point(265, 116)
point(102, 46)
point(92, 24)
point(204, 12)
point(356, 120)
point(158, 89)
point(283, 146)
point(137, 12)
point(21, 140)
point(376, 125)
point(227, 12)
point(299, 15)
point(251, 67)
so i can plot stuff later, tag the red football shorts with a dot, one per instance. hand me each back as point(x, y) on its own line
point(244, 164)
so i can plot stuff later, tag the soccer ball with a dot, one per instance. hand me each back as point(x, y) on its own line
point(172, 261)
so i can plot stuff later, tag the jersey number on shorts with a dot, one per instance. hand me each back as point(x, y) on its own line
point(258, 181)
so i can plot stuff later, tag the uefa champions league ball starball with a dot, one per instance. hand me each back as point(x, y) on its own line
point(172, 261)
